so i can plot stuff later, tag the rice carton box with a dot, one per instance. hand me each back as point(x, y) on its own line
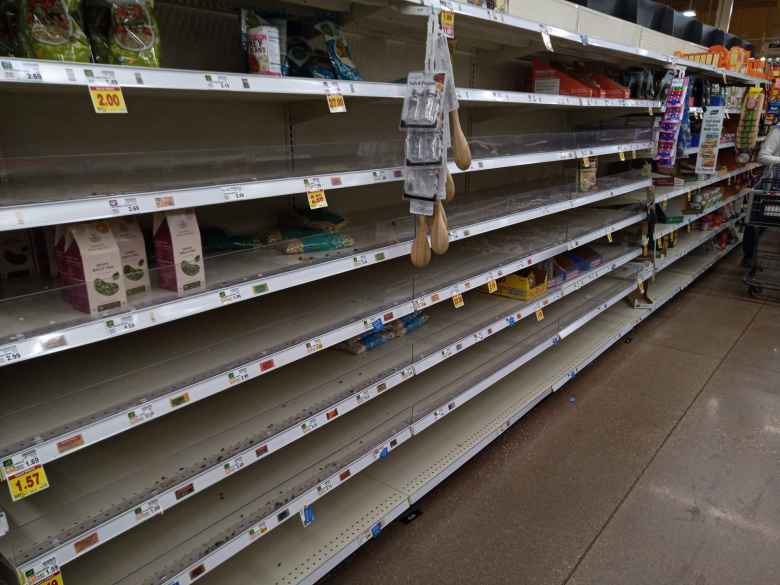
point(92, 268)
point(132, 250)
point(179, 252)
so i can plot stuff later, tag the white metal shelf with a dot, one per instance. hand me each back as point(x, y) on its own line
point(45, 323)
point(286, 405)
point(452, 387)
point(690, 241)
point(55, 73)
point(347, 518)
point(488, 19)
point(665, 193)
point(77, 408)
point(664, 229)
point(135, 203)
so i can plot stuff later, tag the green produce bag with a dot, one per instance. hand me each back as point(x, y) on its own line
point(50, 29)
point(124, 32)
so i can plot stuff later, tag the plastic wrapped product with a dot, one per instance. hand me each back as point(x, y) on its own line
point(338, 51)
point(322, 242)
point(8, 28)
point(124, 32)
point(50, 29)
point(260, 41)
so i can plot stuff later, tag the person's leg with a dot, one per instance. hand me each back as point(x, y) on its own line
point(749, 246)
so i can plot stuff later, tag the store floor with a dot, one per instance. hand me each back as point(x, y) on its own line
point(659, 464)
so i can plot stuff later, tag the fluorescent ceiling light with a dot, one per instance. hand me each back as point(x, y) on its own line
point(690, 13)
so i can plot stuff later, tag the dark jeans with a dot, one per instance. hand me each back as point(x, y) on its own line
point(750, 244)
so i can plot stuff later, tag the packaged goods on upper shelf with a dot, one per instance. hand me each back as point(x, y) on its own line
point(321, 242)
point(384, 333)
point(578, 82)
point(264, 43)
point(703, 199)
point(132, 250)
point(178, 251)
point(641, 84)
point(17, 256)
point(124, 32)
point(52, 31)
point(92, 268)
point(338, 51)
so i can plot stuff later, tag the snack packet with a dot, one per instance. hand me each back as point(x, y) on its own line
point(338, 51)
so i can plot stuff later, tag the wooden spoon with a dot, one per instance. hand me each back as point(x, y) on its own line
point(459, 145)
point(450, 190)
point(440, 239)
point(421, 251)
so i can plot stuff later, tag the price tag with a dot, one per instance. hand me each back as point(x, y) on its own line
point(233, 465)
point(546, 39)
point(315, 194)
point(457, 300)
point(586, 161)
point(649, 110)
point(540, 314)
point(448, 23)
point(229, 295)
point(28, 482)
point(124, 205)
point(609, 237)
point(9, 354)
point(120, 325)
point(633, 154)
point(237, 376)
point(107, 99)
point(336, 103)
point(689, 196)
point(622, 155)
point(640, 285)
point(217, 81)
point(147, 510)
point(233, 193)
point(492, 286)
point(47, 573)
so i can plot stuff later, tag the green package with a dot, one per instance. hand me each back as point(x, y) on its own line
point(124, 32)
point(50, 29)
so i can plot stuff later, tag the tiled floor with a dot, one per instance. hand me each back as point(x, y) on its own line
point(665, 470)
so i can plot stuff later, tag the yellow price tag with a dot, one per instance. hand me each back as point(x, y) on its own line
point(317, 199)
point(633, 154)
point(457, 300)
point(640, 285)
point(664, 204)
point(649, 110)
point(586, 161)
point(448, 23)
point(30, 482)
point(689, 196)
point(492, 286)
point(622, 155)
point(336, 103)
point(55, 579)
point(539, 314)
point(609, 237)
point(107, 99)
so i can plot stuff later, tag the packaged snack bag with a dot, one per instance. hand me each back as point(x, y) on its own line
point(51, 29)
point(124, 32)
point(338, 51)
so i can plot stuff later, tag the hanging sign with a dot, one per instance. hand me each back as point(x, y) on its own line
point(709, 141)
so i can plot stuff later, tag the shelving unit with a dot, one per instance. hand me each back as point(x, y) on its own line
point(184, 436)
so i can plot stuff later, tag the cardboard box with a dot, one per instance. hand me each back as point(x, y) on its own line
point(17, 256)
point(132, 250)
point(179, 252)
point(523, 286)
point(92, 268)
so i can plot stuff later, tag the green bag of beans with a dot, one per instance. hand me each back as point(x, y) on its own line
point(124, 32)
point(51, 29)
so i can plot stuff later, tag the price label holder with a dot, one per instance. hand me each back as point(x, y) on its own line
point(45, 573)
point(539, 314)
point(457, 300)
point(546, 39)
point(315, 194)
point(492, 286)
point(25, 475)
point(124, 205)
point(9, 354)
point(447, 19)
point(107, 99)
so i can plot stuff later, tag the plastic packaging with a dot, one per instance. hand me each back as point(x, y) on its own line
point(124, 32)
point(423, 102)
point(338, 51)
point(51, 30)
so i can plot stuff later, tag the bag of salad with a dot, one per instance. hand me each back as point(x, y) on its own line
point(124, 32)
point(51, 29)
point(8, 25)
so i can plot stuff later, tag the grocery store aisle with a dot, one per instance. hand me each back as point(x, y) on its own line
point(659, 464)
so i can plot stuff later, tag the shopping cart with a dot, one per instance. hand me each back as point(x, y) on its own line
point(764, 217)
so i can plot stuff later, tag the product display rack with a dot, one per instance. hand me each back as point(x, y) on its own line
point(345, 442)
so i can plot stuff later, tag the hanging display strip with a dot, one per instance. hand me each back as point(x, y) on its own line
point(189, 558)
point(90, 208)
point(353, 515)
point(664, 193)
point(28, 333)
point(663, 229)
point(111, 509)
point(489, 17)
point(146, 392)
point(78, 74)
